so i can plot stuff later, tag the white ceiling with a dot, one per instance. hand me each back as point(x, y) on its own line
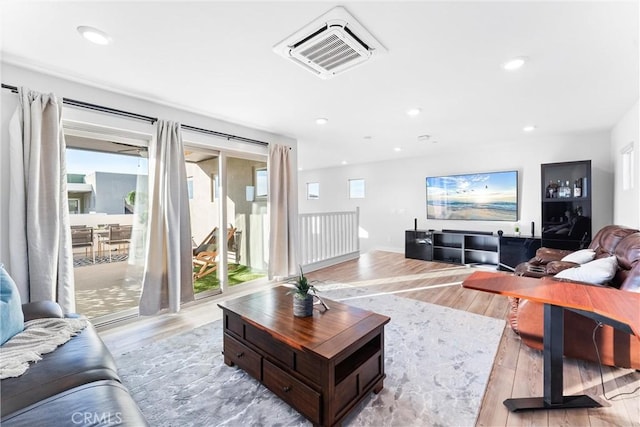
point(444, 57)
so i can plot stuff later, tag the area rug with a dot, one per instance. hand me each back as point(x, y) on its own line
point(100, 259)
point(437, 362)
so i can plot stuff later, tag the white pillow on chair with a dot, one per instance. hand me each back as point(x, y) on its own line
point(580, 257)
point(595, 272)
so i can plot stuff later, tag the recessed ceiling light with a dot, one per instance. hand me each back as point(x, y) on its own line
point(397, 149)
point(514, 64)
point(529, 128)
point(344, 162)
point(414, 112)
point(94, 35)
point(367, 137)
point(322, 121)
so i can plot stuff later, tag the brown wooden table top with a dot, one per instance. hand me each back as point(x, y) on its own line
point(615, 304)
point(326, 333)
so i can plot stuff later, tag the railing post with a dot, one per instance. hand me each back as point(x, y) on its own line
point(357, 230)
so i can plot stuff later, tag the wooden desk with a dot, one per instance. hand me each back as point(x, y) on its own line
point(606, 305)
point(321, 365)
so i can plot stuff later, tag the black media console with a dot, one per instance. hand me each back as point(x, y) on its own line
point(469, 247)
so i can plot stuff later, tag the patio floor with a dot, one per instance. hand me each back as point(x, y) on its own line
point(103, 288)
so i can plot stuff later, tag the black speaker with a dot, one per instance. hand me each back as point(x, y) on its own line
point(533, 228)
point(415, 224)
point(500, 233)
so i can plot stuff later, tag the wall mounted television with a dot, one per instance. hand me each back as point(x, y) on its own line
point(491, 196)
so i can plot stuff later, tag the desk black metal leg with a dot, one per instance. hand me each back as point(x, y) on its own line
point(553, 378)
point(553, 340)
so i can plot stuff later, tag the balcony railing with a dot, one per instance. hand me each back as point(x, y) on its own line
point(328, 238)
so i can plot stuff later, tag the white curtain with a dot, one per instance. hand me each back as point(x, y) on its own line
point(167, 280)
point(41, 258)
point(282, 215)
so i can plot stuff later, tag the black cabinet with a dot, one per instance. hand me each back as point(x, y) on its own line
point(566, 204)
point(418, 244)
point(515, 250)
point(468, 247)
point(457, 247)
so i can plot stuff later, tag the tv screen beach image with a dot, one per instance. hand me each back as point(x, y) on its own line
point(482, 196)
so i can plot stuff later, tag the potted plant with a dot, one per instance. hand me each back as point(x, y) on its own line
point(303, 294)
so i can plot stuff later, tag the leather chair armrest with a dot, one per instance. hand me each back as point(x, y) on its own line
point(530, 270)
point(546, 255)
point(41, 309)
point(555, 267)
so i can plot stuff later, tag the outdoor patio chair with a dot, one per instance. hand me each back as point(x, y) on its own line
point(206, 254)
point(83, 238)
point(208, 243)
point(233, 247)
point(118, 238)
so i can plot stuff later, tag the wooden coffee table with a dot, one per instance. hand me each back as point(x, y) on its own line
point(321, 365)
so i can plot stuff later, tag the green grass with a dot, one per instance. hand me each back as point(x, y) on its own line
point(237, 274)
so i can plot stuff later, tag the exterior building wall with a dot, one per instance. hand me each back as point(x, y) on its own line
point(111, 189)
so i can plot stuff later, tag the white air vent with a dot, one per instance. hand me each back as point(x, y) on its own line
point(331, 44)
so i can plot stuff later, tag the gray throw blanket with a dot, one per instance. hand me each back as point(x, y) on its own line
point(40, 336)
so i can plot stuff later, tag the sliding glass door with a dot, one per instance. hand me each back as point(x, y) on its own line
point(107, 186)
point(228, 220)
point(108, 205)
point(247, 214)
point(203, 183)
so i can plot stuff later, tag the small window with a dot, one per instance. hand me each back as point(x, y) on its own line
point(215, 186)
point(261, 183)
point(356, 188)
point(313, 190)
point(628, 167)
point(190, 187)
point(74, 206)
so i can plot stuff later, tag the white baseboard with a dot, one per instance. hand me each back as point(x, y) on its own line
point(388, 249)
point(329, 262)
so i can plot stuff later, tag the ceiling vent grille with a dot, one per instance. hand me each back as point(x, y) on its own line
point(331, 44)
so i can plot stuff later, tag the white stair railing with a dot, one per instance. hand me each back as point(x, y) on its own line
point(328, 238)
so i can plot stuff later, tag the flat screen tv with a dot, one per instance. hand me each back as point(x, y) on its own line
point(491, 196)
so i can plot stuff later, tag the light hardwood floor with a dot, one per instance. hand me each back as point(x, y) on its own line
point(517, 370)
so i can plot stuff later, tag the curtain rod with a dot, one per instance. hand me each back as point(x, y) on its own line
point(224, 135)
point(89, 106)
point(122, 113)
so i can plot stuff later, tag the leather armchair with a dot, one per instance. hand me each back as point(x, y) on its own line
point(547, 261)
point(615, 348)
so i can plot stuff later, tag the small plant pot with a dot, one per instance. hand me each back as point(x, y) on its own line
point(303, 307)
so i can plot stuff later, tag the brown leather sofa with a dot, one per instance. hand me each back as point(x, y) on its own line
point(616, 348)
point(76, 384)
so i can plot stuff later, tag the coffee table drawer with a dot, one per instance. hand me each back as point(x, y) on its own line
point(264, 341)
point(241, 355)
point(297, 394)
point(233, 323)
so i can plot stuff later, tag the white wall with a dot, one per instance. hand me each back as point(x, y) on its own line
point(396, 193)
point(42, 82)
point(627, 202)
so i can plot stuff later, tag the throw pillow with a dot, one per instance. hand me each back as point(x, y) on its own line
point(581, 257)
point(11, 317)
point(595, 272)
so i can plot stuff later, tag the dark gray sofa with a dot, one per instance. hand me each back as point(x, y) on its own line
point(75, 385)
